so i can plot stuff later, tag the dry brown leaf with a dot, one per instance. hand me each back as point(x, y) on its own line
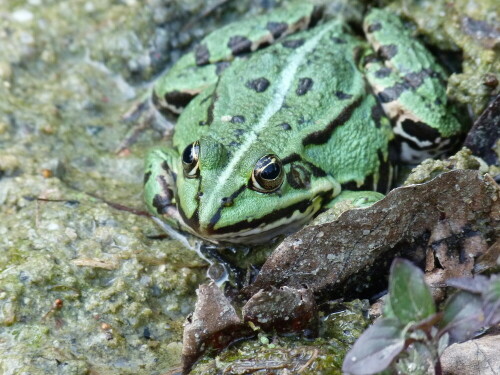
point(449, 220)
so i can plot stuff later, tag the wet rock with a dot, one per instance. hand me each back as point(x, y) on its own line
point(484, 32)
point(284, 310)
point(289, 354)
point(214, 324)
point(484, 136)
point(478, 356)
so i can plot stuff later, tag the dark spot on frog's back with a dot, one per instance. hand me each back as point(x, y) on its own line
point(239, 44)
point(276, 28)
point(342, 95)
point(238, 132)
point(338, 40)
point(392, 93)
point(178, 98)
point(411, 81)
point(305, 84)
point(292, 43)
point(322, 136)
point(259, 84)
point(221, 66)
point(286, 126)
point(147, 175)
point(374, 27)
point(388, 51)
point(415, 79)
point(238, 119)
point(383, 72)
point(201, 55)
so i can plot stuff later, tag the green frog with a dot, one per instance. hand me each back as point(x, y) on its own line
point(283, 115)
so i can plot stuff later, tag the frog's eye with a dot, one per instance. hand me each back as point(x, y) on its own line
point(190, 160)
point(267, 175)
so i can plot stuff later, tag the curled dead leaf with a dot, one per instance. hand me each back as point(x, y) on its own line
point(444, 224)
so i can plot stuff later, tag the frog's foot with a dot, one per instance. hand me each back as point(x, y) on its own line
point(136, 109)
point(355, 199)
point(411, 88)
point(345, 201)
point(145, 115)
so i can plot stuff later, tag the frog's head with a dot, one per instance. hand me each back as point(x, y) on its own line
point(248, 195)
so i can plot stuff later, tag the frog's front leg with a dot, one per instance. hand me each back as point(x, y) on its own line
point(144, 114)
point(411, 87)
point(356, 199)
point(347, 200)
point(159, 184)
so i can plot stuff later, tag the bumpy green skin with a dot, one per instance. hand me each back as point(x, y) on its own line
point(197, 70)
point(304, 99)
point(410, 86)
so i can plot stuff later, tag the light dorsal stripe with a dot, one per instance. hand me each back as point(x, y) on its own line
point(285, 80)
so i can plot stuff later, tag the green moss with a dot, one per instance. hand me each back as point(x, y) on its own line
point(470, 27)
point(337, 331)
point(430, 168)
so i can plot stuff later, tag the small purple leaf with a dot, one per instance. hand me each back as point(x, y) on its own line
point(476, 285)
point(491, 302)
point(463, 316)
point(376, 348)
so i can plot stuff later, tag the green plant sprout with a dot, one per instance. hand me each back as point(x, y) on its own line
point(410, 320)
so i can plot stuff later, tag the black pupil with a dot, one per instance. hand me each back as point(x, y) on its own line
point(187, 155)
point(271, 171)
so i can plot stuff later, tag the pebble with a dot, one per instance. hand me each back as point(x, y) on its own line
point(5, 71)
point(22, 15)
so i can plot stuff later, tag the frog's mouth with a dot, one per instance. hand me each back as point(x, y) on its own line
point(262, 229)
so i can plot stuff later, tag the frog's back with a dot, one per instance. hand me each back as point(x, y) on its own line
point(301, 99)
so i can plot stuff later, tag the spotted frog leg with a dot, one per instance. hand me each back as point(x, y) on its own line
point(411, 88)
